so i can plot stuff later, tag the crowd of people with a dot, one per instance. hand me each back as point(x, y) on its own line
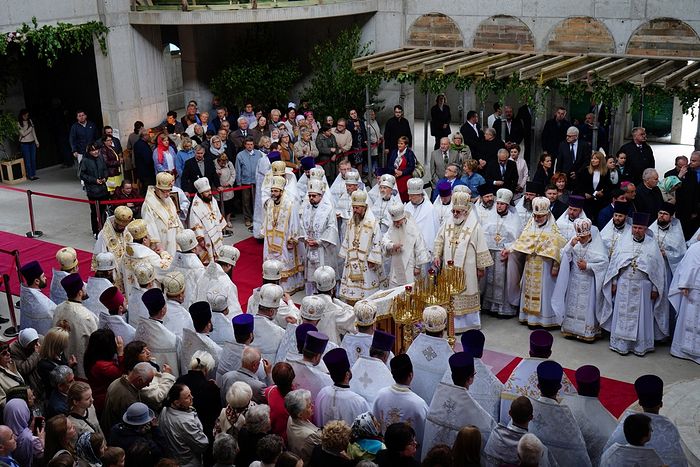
point(155, 361)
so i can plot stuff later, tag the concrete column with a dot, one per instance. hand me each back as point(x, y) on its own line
point(193, 86)
point(131, 76)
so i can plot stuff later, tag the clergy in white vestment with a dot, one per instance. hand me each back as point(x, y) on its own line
point(144, 275)
point(442, 206)
point(668, 233)
point(553, 423)
point(113, 301)
point(524, 205)
point(187, 262)
point(370, 373)
point(36, 309)
point(453, 407)
point(422, 211)
point(67, 259)
point(635, 308)
point(318, 232)
point(199, 339)
point(594, 420)
point(287, 311)
point(81, 320)
point(486, 204)
point(105, 266)
point(163, 344)
point(178, 317)
point(262, 169)
point(113, 239)
point(279, 169)
point(308, 165)
point(538, 246)
point(268, 334)
point(523, 380)
point(616, 229)
point(140, 250)
point(358, 344)
point(308, 374)
point(338, 401)
point(231, 352)
point(577, 299)
point(461, 241)
point(684, 296)
point(292, 343)
point(430, 353)
point(404, 246)
point(501, 228)
point(635, 452)
point(363, 271)
point(565, 223)
point(338, 318)
point(338, 187)
point(217, 275)
point(343, 205)
point(385, 198)
point(397, 403)
point(665, 438)
point(206, 219)
point(222, 328)
point(160, 213)
point(280, 230)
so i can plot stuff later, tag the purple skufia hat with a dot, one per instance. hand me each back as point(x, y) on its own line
point(588, 381)
point(316, 342)
point(383, 340)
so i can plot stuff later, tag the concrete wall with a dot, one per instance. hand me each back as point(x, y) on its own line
point(14, 12)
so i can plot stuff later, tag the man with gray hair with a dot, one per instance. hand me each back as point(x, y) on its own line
point(61, 378)
point(250, 362)
point(302, 434)
point(530, 450)
point(640, 156)
point(225, 450)
point(440, 159)
point(573, 154)
point(649, 198)
point(125, 391)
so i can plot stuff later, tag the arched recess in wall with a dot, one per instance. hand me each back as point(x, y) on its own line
point(504, 32)
point(435, 30)
point(581, 34)
point(665, 37)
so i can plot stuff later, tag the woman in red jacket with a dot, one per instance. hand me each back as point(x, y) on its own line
point(104, 363)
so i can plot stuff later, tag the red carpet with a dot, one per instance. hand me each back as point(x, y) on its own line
point(247, 274)
point(32, 249)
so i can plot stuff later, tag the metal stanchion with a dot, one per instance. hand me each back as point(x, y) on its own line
point(12, 331)
point(98, 213)
point(227, 233)
point(33, 233)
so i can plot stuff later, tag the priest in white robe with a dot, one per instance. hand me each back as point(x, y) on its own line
point(113, 239)
point(222, 329)
point(554, 424)
point(199, 339)
point(187, 262)
point(370, 373)
point(363, 272)
point(635, 308)
point(318, 233)
point(358, 344)
point(486, 389)
point(308, 374)
point(138, 251)
point(501, 229)
point(145, 275)
point(113, 301)
point(453, 407)
point(160, 213)
point(287, 312)
point(397, 403)
point(336, 318)
point(523, 380)
point(105, 266)
point(461, 242)
point(616, 229)
point(423, 213)
point(539, 245)
point(67, 259)
point(633, 453)
point(178, 317)
point(81, 320)
point(524, 205)
point(405, 247)
point(338, 401)
point(338, 187)
point(486, 203)
point(206, 220)
point(442, 206)
point(232, 352)
point(594, 420)
point(386, 197)
point(164, 345)
point(684, 296)
point(268, 334)
point(261, 170)
point(281, 235)
point(665, 438)
point(565, 223)
point(36, 309)
point(279, 169)
point(430, 353)
point(217, 275)
point(313, 311)
point(668, 233)
point(578, 295)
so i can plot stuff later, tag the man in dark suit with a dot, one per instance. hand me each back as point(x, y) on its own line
point(554, 132)
point(688, 197)
point(471, 131)
point(488, 148)
point(514, 132)
point(640, 156)
point(649, 198)
point(440, 158)
point(524, 116)
point(452, 172)
point(503, 172)
point(680, 167)
point(237, 138)
point(556, 206)
point(440, 119)
point(143, 159)
point(396, 127)
point(197, 167)
point(573, 154)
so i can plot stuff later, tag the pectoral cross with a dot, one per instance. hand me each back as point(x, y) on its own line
point(498, 237)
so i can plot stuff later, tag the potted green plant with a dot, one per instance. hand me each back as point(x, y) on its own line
point(13, 170)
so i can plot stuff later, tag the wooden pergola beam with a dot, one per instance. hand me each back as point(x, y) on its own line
point(677, 77)
point(533, 70)
point(399, 63)
point(554, 70)
point(660, 70)
point(451, 66)
point(581, 72)
point(629, 71)
point(363, 62)
point(481, 66)
point(503, 71)
point(436, 63)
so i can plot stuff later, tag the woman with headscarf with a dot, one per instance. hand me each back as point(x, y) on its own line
point(9, 375)
point(217, 147)
point(365, 438)
point(29, 447)
point(164, 156)
point(668, 187)
point(89, 449)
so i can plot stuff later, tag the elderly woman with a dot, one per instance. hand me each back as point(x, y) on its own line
point(232, 417)
point(182, 428)
point(89, 448)
point(29, 447)
point(302, 434)
point(462, 149)
point(9, 375)
point(668, 187)
point(81, 411)
point(227, 179)
point(366, 438)
point(25, 353)
point(257, 425)
point(283, 377)
point(183, 155)
point(305, 147)
point(335, 438)
point(286, 150)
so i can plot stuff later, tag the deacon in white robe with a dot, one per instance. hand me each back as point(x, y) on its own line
point(217, 275)
point(442, 206)
point(113, 239)
point(363, 272)
point(337, 318)
point(262, 169)
point(523, 207)
point(178, 317)
point(268, 334)
point(501, 229)
point(194, 341)
point(423, 213)
point(461, 241)
point(578, 295)
point(626, 455)
point(206, 219)
point(358, 344)
point(113, 318)
point(338, 401)
point(164, 345)
point(307, 372)
point(36, 309)
point(187, 262)
point(403, 244)
point(160, 213)
point(486, 204)
point(281, 236)
point(684, 296)
point(222, 329)
point(635, 308)
point(232, 352)
point(668, 233)
point(616, 229)
point(338, 187)
point(56, 292)
point(318, 232)
point(430, 353)
point(565, 223)
point(105, 266)
point(370, 373)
